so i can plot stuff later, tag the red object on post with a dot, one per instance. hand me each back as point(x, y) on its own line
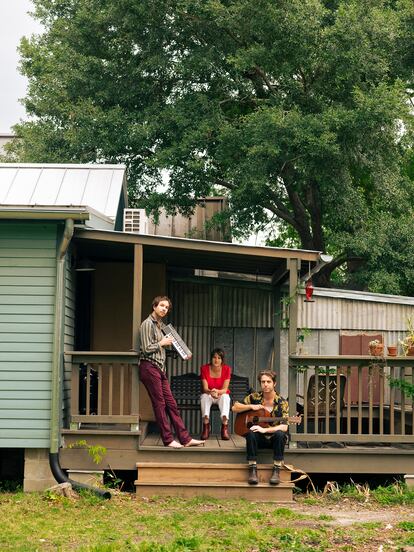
point(309, 291)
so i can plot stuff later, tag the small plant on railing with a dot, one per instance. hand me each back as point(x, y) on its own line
point(325, 371)
point(376, 347)
point(407, 343)
point(403, 385)
point(96, 452)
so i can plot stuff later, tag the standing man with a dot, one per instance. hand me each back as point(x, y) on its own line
point(274, 436)
point(153, 376)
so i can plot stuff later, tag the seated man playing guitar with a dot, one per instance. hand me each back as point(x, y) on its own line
point(272, 434)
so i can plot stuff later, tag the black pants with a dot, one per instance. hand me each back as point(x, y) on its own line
point(275, 441)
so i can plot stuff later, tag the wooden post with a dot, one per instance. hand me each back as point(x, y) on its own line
point(294, 267)
point(136, 322)
point(137, 294)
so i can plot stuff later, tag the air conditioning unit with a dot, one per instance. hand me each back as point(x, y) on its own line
point(135, 220)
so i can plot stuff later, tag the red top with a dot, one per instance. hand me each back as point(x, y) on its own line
point(216, 383)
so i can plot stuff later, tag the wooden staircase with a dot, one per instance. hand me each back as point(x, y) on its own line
point(217, 480)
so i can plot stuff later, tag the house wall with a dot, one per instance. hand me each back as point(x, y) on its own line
point(112, 307)
point(68, 337)
point(27, 294)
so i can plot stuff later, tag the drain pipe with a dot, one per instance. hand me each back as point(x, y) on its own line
point(54, 463)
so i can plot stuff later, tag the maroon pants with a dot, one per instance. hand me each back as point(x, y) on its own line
point(163, 403)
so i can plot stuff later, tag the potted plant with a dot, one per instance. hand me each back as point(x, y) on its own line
point(392, 350)
point(407, 343)
point(376, 348)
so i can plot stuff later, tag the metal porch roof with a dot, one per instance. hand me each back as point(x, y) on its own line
point(190, 253)
point(96, 186)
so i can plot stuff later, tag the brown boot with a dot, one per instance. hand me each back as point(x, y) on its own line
point(206, 432)
point(253, 479)
point(275, 477)
point(225, 432)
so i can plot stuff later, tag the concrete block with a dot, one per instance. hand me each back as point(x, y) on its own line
point(37, 474)
point(409, 480)
point(87, 477)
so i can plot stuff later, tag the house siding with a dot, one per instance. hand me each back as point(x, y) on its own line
point(68, 337)
point(27, 294)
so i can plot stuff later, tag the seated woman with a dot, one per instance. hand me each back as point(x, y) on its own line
point(215, 379)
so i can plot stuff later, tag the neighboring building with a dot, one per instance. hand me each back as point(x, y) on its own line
point(194, 226)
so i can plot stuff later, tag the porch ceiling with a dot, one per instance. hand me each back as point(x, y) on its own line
point(186, 253)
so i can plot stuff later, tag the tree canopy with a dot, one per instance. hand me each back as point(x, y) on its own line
point(297, 110)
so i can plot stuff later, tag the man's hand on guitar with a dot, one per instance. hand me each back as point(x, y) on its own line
point(258, 429)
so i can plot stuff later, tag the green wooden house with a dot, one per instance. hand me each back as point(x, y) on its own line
point(39, 208)
point(68, 341)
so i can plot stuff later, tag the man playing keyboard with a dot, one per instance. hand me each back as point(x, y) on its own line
point(153, 376)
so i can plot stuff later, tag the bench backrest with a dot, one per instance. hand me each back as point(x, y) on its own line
point(187, 388)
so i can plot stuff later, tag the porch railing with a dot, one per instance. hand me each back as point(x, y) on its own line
point(352, 399)
point(104, 389)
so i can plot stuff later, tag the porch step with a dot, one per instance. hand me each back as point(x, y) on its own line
point(108, 438)
point(217, 480)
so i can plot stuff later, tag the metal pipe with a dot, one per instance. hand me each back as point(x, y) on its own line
point(61, 477)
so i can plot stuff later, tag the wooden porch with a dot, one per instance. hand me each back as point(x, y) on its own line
point(354, 421)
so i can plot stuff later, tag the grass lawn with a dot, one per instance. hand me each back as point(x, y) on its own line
point(32, 522)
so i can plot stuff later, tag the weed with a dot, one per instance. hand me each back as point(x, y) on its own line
point(96, 452)
point(285, 513)
point(406, 525)
point(398, 493)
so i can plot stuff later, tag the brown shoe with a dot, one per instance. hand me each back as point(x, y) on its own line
point(275, 477)
point(206, 432)
point(225, 432)
point(253, 479)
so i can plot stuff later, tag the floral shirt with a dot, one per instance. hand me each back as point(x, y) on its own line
point(280, 405)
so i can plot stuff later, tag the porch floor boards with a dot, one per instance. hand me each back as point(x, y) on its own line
point(153, 441)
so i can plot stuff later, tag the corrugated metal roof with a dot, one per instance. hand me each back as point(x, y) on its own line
point(96, 186)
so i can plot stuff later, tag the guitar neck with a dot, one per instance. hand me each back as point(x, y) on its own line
point(269, 419)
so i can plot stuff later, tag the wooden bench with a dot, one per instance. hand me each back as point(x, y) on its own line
point(187, 389)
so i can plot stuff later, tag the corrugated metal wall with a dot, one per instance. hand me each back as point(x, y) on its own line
point(335, 313)
point(237, 318)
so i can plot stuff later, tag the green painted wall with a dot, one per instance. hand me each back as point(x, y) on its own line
point(27, 288)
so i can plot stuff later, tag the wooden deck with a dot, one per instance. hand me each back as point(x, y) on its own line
point(125, 449)
point(363, 428)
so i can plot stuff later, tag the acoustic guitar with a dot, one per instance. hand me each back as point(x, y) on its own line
point(245, 420)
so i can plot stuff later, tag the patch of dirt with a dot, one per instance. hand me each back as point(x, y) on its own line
point(348, 513)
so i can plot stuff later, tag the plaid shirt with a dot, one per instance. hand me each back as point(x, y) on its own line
point(149, 337)
point(280, 405)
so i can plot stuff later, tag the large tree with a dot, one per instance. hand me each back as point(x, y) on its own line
point(298, 110)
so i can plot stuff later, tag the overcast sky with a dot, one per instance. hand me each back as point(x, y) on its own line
point(14, 23)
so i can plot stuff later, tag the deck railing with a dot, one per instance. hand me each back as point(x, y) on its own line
point(104, 389)
point(355, 399)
